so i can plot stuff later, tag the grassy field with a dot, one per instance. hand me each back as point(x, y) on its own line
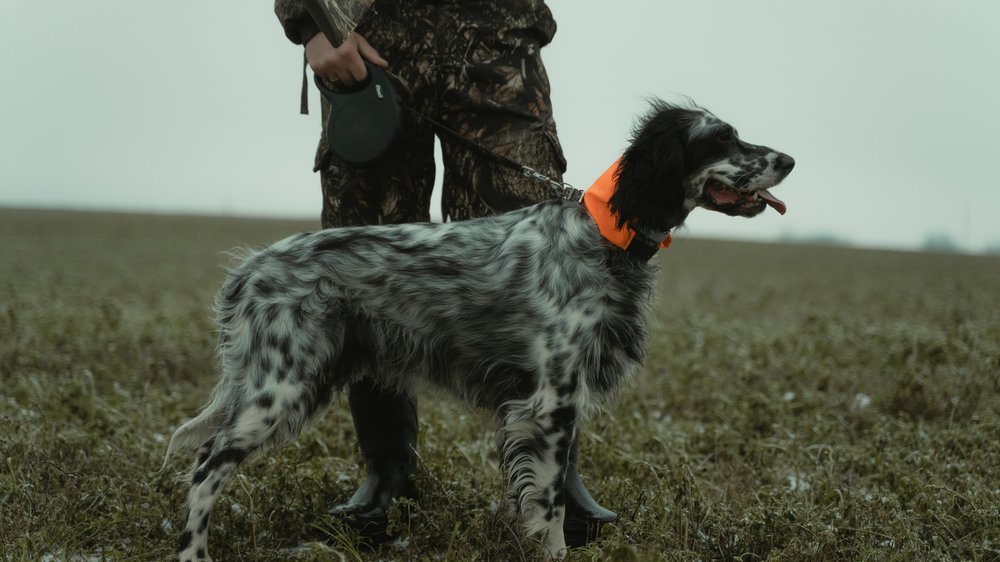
point(799, 403)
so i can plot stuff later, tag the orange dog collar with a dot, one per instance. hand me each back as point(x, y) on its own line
point(596, 199)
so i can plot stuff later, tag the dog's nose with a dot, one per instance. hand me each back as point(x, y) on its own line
point(784, 163)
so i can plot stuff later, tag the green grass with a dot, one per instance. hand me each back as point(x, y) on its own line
point(798, 403)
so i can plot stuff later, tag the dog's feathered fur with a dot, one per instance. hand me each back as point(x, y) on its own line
point(531, 314)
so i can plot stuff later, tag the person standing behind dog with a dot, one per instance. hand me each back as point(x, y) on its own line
point(474, 65)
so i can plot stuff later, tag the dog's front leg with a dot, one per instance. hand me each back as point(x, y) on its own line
point(535, 439)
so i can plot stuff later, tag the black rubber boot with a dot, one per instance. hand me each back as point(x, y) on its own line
point(584, 516)
point(386, 424)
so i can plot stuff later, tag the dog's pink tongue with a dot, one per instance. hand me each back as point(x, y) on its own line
point(774, 202)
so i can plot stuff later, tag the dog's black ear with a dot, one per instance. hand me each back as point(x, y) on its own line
point(650, 190)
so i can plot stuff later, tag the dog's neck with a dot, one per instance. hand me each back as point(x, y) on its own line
point(641, 245)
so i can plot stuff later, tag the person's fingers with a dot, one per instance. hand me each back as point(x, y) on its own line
point(319, 53)
point(355, 67)
point(346, 63)
point(344, 77)
point(370, 53)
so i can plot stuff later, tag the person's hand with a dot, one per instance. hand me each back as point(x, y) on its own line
point(345, 63)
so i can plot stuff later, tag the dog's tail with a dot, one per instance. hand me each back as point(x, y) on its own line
point(193, 433)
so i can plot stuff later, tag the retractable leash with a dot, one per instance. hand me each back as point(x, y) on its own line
point(365, 120)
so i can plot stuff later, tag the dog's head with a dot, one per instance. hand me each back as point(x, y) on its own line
point(685, 157)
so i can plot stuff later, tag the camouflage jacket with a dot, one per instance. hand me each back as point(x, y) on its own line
point(300, 27)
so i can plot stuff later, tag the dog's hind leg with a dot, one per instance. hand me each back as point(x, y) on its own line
point(267, 417)
point(217, 459)
point(278, 351)
point(535, 439)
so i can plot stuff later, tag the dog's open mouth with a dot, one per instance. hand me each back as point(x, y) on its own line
point(725, 199)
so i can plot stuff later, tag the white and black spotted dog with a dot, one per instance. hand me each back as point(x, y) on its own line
point(532, 314)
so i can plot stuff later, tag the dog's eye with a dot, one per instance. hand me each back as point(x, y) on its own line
point(728, 135)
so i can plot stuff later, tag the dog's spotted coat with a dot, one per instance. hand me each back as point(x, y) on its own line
point(530, 314)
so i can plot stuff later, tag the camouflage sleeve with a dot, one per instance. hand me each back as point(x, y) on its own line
point(299, 26)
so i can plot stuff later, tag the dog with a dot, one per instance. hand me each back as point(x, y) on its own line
point(534, 314)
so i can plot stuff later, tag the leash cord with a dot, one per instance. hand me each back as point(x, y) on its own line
point(562, 190)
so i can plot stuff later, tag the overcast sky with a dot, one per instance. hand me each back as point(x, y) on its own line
point(891, 108)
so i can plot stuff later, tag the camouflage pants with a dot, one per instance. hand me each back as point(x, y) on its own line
point(476, 67)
